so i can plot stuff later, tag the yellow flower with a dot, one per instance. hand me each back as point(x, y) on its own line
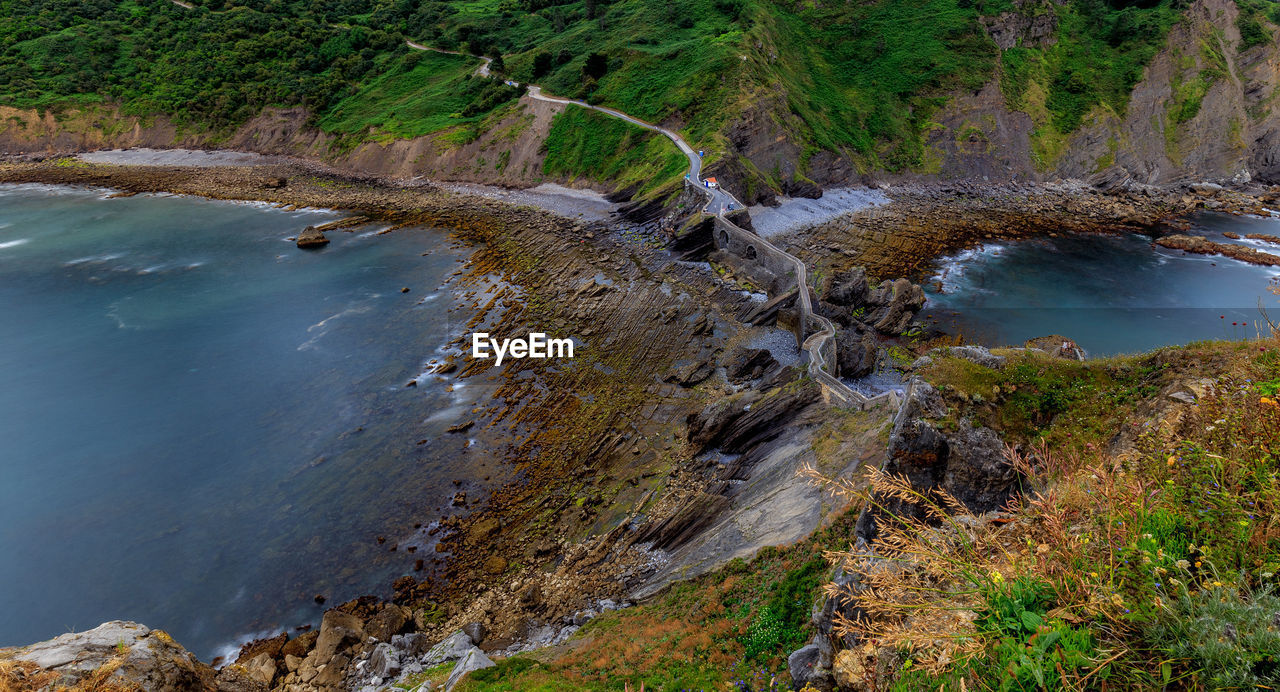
point(997, 577)
point(1217, 583)
point(1094, 575)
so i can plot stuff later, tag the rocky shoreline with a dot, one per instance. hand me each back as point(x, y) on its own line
point(606, 471)
point(620, 488)
point(927, 221)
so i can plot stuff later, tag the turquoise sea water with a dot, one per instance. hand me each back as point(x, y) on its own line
point(1111, 294)
point(201, 426)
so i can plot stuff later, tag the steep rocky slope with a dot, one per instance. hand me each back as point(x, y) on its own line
point(1202, 111)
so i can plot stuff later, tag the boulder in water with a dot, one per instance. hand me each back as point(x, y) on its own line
point(312, 237)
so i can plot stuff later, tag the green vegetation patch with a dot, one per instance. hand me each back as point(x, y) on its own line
point(584, 143)
point(1101, 50)
point(866, 77)
point(420, 93)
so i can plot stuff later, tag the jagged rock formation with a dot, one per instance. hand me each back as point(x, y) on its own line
point(865, 315)
point(968, 463)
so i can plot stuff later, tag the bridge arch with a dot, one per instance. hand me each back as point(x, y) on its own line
point(751, 252)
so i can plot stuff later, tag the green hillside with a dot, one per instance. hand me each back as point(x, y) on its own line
point(863, 79)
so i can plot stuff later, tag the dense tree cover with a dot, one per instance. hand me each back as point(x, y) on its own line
point(202, 66)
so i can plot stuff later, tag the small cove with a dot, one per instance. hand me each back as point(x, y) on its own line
point(1111, 294)
point(202, 426)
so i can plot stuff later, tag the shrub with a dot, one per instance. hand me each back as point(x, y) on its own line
point(1230, 637)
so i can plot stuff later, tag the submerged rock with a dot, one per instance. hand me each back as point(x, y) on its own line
point(1199, 245)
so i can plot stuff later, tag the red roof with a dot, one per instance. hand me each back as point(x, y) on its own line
point(711, 180)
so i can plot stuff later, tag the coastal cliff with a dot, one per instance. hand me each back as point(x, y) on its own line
point(1201, 110)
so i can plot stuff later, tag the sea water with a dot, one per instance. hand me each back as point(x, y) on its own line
point(1111, 294)
point(202, 426)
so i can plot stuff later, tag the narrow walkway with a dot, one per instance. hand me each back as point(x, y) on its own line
point(482, 71)
point(718, 202)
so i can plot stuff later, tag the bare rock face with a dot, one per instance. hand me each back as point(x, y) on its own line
point(738, 424)
point(749, 364)
point(897, 304)
point(141, 656)
point(968, 463)
point(856, 353)
point(888, 308)
point(977, 473)
point(473, 660)
point(848, 288)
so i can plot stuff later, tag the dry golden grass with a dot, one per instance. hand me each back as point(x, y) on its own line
point(22, 676)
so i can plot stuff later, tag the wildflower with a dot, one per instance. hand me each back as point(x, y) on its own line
point(997, 577)
point(1182, 564)
point(1094, 575)
point(1217, 583)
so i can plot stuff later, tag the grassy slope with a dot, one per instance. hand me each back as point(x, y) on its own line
point(586, 143)
point(417, 93)
point(859, 78)
point(1143, 568)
